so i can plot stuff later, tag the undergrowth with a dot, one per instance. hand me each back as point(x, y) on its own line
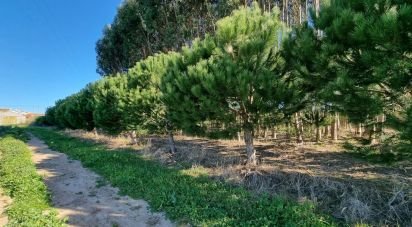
point(385, 153)
point(186, 195)
point(19, 180)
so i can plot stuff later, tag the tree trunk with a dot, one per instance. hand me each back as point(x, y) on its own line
point(318, 133)
point(171, 140)
point(274, 134)
point(372, 134)
point(287, 12)
point(382, 124)
point(299, 138)
point(337, 121)
point(250, 150)
point(360, 129)
point(95, 133)
point(239, 136)
point(306, 10)
point(301, 127)
point(133, 136)
point(266, 132)
point(288, 131)
point(335, 128)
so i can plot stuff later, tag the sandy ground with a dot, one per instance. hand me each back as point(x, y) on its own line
point(78, 195)
point(4, 202)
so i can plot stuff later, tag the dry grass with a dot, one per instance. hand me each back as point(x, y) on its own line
point(120, 141)
point(351, 190)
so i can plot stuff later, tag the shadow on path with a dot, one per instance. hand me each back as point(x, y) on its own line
point(82, 196)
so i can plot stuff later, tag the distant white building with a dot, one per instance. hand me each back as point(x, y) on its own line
point(12, 117)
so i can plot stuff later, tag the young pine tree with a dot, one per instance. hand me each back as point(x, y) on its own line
point(144, 108)
point(109, 96)
point(240, 79)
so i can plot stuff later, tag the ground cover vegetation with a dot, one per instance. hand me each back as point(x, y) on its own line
point(186, 195)
point(18, 178)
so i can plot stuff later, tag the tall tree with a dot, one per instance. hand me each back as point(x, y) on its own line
point(142, 28)
point(145, 27)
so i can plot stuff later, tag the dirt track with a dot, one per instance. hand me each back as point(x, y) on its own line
point(78, 195)
point(4, 202)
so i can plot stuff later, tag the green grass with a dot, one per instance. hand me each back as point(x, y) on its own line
point(19, 180)
point(13, 131)
point(186, 195)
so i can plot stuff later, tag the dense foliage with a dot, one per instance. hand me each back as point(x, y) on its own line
point(186, 195)
point(351, 60)
point(143, 28)
point(241, 78)
point(370, 44)
point(19, 180)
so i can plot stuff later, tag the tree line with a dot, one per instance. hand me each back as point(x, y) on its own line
point(144, 27)
point(351, 60)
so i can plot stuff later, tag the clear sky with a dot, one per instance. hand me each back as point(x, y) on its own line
point(47, 49)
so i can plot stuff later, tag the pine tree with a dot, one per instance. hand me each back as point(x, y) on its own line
point(144, 108)
point(308, 73)
point(240, 79)
point(370, 46)
point(109, 95)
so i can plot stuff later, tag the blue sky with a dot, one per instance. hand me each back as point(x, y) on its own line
point(47, 49)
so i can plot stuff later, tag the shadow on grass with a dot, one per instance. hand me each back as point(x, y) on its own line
point(188, 196)
point(13, 131)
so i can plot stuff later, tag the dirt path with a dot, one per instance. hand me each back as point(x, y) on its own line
point(78, 195)
point(4, 202)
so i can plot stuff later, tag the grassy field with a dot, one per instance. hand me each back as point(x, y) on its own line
point(19, 180)
point(186, 195)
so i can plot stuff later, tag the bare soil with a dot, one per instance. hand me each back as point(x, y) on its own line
point(79, 195)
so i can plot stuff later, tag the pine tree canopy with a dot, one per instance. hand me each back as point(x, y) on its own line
point(109, 98)
point(369, 44)
point(239, 79)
